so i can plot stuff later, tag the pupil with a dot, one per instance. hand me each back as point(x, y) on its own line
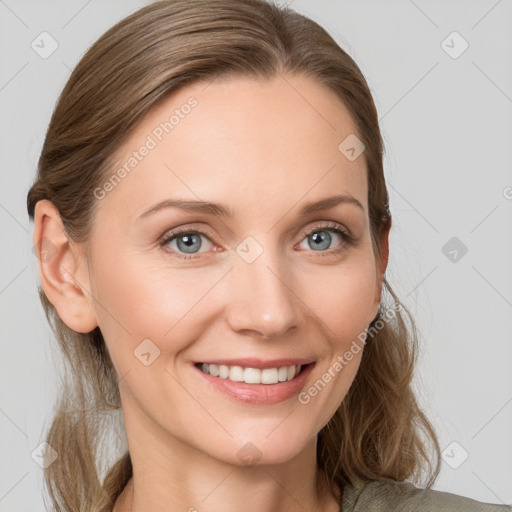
point(319, 237)
point(186, 242)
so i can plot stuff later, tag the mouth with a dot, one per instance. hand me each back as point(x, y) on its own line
point(251, 375)
point(255, 381)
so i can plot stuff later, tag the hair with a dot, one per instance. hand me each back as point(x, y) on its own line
point(379, 432)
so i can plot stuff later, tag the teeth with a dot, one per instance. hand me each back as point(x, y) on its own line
point(270, 376)
point(252, 375)
point(236, 374)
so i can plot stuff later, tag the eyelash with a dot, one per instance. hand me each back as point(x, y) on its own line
point(330, 226)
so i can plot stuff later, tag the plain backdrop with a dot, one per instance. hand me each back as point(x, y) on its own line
point(445, 113)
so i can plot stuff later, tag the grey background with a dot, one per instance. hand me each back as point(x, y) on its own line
point(447, 127)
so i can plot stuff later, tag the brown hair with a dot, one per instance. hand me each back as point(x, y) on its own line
point(379, 430)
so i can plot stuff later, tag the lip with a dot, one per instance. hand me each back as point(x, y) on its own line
point(259, 394)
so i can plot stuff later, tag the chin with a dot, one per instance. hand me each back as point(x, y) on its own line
point(268, 447)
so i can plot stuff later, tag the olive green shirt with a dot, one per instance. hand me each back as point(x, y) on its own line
point(384, 496)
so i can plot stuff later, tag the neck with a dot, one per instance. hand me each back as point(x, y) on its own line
point(263, 489)
point(170, 475)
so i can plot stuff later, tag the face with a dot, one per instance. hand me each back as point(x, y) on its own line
point(228, 325)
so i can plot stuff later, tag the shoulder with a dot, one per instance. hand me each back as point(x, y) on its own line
point(386, 495)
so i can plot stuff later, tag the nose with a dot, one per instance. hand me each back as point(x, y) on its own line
point(262, 301)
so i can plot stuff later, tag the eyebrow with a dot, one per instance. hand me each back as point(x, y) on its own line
point(220, 210)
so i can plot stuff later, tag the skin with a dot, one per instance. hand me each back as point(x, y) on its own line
point(264, 150)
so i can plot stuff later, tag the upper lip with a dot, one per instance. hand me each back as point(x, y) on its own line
point(260, 363)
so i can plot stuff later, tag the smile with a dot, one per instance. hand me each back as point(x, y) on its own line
point(256, 381)
point(252, 375)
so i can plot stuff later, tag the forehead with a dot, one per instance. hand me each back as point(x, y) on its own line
point(250, 143)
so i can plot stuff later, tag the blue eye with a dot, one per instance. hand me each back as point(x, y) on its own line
point(320, 238)
point(188, 242)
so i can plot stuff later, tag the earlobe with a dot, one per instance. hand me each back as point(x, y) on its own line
point(63, 274)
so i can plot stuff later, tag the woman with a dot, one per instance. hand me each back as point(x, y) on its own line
point(212, 222)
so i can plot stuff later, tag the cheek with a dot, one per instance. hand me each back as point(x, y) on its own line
point(342, 296)
point(137, 300)
point(344, 300)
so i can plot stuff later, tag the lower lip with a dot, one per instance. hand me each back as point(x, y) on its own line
point(260, 393)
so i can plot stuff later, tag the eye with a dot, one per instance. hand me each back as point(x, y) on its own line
point(187, 242)
point(320, 238)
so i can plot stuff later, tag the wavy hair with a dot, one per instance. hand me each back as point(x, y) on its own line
point(379, 431)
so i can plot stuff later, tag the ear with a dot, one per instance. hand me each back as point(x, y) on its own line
point(382, 262)
point(62, 269)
